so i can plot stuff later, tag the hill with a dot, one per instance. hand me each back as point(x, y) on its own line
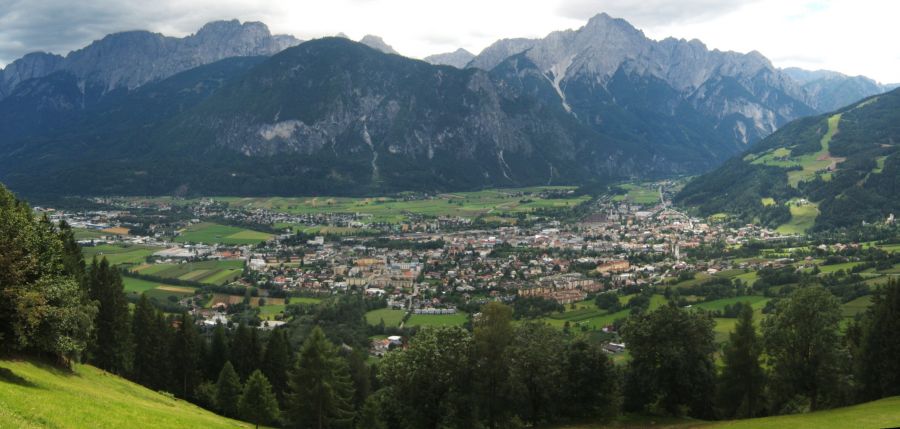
point(34, 395)
point(876, 414)
point(829, 171)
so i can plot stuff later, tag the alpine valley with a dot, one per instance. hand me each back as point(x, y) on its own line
point(235, 110)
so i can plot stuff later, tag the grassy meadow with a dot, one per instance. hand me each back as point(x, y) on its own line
point(35, 395)
point(207, 232)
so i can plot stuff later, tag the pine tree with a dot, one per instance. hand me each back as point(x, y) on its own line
point(743, 379)
point(185, 356)
point(228, 391)
point(258, 404)
point(143, 331)
point(277, 362)
point(320, 386)
point(73, 258)
point(218, 353)
point(111, 348)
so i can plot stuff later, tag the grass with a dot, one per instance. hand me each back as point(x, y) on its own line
point(639, 194)
point(818, 161)
point(206, 232)
point(35, 395)
point(767, 202)
point(457, 319)
point(877, 414)
point(803, 217)
point(846, 266)
point(857, 306)
point(390, 317)
point(879, 164)
point(209, 272)
point(118, 254)
point(268, 312)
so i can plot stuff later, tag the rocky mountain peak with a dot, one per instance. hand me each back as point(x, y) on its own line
point(376, 42)
point(458, 58)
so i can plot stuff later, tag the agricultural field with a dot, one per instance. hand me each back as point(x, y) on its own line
point(118, 254)
point(457, 319)
point(857, 306)
point(207, 232)
point(209, 272)
point(237, 299)
point(160, 291)
point(391, 317)
point(396, 209)
point(87, 234)
point(639, 193)
point(35, 395)
point(803, 217)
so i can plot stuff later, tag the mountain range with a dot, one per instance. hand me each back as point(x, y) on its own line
point(233, 109)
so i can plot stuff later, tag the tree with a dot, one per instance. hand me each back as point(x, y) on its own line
point(277, 362)
point(42, 307)
point(185, 356)
point(802, 343)
point(878, 363)
point(258, 404)
point(245, 350)
point(111, 348)
point(228, 391)
point(608, 301)
point(493, 333)
point(743, 379)
point(73, 258)
point(430, 382)
point(536, 356)
point(218, 352)
point(320, 387)
point(671, 363)
point(591, 382)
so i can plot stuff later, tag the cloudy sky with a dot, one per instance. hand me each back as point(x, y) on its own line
point(850, 36)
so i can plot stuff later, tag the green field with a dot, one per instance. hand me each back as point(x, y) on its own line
point(883, 413)
point(268, 312)
point(35, 395)
point(818, 161)
point(390, 317)
point(491, 202)
point(803, 217)
point(118, 254)
point(206, 232)
point(639, 193)
point(858, 305)
point(87, 234)
point(457, 319)
point(160, 291)
point(209, 272)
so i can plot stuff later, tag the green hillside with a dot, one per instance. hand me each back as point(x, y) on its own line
point(877, 414)
point(34, 395)
point(829, 171)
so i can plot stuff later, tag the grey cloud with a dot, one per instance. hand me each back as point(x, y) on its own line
point(59, 26)
point(648, 13)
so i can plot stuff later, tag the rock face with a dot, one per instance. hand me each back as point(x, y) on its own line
point(459, 58)
point(131, 59)
point(829, 90)
point(378, 43)
point(742, 95)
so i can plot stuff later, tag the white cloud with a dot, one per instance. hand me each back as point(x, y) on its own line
point(850, 36)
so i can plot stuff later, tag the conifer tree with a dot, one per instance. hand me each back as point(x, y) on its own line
point(111, 346)
point(258, 405)
point(879, 362)
point(277, 362)
point(320, 387)
point(185, 356)
point(228, 391)
point(743, 379)
point(218, 353)
point(245, 350)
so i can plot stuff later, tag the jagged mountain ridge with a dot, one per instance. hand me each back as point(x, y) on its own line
point(743, 94)
point(830, 90)
point(458, 58)
point(133, 58)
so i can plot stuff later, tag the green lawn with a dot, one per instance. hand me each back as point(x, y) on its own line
point(390, 317)
point(35, 395)
point(858, 305)
point(209, 272)
point(207, 232)
point(268, 312)
point(457, 319)
point(846, 266)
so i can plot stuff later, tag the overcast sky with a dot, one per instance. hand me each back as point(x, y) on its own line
point(849, 36)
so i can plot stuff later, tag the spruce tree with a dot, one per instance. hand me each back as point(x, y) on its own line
point(743, 379)
point(277, 362)
point(185, 356)
point(320, 388)
point(218, 353)
point(142, 329)
point(257, 403)
point(245, 350)
point(111, 348)
point(879, 361)
point(228, 391)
